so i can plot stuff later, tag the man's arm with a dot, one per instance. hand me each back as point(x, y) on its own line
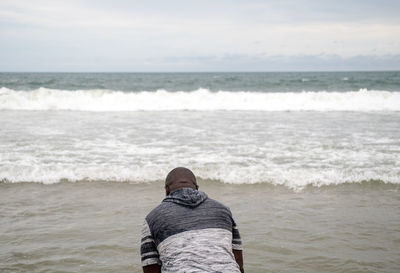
point(148, 250)
point(154, 268)
point(239, 258)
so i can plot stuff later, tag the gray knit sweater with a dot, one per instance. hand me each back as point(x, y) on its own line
point(189, 232)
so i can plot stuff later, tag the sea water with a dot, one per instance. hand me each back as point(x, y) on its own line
point(308, 162)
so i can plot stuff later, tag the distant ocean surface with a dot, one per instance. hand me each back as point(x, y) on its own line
point(350, 91)
point(285, 150)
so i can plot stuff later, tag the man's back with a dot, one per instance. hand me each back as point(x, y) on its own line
point(189, 232)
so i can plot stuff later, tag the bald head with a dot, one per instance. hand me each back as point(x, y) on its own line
point(180, 178)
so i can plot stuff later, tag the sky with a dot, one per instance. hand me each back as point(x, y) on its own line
point(218, 35)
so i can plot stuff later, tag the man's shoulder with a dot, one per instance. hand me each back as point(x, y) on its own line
point(158, 210)
point(216, 204)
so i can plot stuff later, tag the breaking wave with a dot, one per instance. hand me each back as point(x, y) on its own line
point(293, 179)
point(43, 99)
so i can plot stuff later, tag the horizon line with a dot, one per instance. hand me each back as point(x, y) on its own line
point(210, 71)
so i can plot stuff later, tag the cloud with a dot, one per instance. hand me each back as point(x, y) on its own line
point(102, 34)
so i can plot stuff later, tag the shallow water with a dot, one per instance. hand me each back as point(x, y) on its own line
point(95, 226)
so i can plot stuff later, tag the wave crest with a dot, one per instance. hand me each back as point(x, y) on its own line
point(43, 99)
point(292, 179)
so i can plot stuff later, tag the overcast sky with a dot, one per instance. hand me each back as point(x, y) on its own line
point(218, 35)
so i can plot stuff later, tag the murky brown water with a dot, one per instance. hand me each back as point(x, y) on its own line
point(95, 227)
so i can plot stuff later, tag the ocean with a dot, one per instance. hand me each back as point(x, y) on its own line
point(308, 162)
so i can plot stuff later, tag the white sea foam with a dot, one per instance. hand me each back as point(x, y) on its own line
point(293, 149)
point(293, 179)
point(201, 99)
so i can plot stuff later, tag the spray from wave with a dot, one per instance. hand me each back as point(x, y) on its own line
point(43, 99)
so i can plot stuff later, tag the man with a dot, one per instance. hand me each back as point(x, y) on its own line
point(189, 232)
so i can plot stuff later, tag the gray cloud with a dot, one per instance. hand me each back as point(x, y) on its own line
point(251, 35)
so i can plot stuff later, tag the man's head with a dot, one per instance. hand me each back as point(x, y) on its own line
point(180, 178)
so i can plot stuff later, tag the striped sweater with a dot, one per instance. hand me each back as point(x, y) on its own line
point(189, 232)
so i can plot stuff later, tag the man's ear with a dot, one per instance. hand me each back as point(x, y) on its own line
point(167, 191)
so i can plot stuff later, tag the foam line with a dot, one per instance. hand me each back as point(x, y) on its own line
point(43, 99)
